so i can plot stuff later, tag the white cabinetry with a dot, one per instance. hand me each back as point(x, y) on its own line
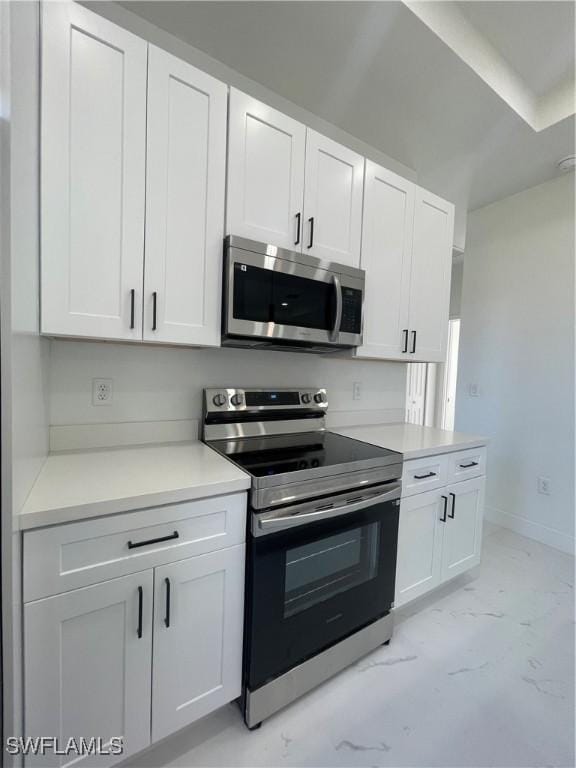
point(124, 123)
point(332, 200)
point(93, 165)
point(87, 658)
point(407, 254)
point(266, 154)
point(197, 638)
point(185, 178)
point(430, 277)
point(290, 186)
point(145, 654)
point(440, 530)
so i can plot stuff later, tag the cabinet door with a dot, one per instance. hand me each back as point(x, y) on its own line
point(420, 535)
point(87, 671)
point(332, 200)
point(430, 277)
point(185, 177)
point(386, 254)
point(463, 534)
point(93, 159)
point(198, 621)
point(265, 173)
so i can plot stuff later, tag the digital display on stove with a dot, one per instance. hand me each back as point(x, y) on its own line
point(272, 398)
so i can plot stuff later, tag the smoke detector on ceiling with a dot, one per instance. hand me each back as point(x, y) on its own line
point(567, 163)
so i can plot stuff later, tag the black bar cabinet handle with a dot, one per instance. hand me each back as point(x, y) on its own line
point(154, 308)
point(423, 477)
point(443, 518)
point(167, 616)
point(132, 299)
point(136, 544)
point(298, 222)
point(413, 342)
point(311, 222)
point(453, 506)
point(405, 342)
point(140, 606)
point(467, 466)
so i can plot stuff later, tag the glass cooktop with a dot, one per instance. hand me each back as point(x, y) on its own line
point(281, 454)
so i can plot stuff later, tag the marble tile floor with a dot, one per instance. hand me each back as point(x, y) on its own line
point(481, 673)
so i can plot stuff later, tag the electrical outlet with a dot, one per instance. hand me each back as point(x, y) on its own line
point(357, 390)
point(474, 390)
point(102, 390)
point(544, 486)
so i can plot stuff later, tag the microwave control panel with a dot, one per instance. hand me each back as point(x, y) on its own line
point(351, 311)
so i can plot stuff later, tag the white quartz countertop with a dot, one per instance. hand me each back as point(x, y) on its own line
point(82, 484)
point(411, 440)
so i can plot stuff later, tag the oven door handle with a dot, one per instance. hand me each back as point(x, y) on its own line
point(334, 333)
point(279, 523)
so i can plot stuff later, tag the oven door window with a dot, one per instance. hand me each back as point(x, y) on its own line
point(318, 571)
point(267, 296)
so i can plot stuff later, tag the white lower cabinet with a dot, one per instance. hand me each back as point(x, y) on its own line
point(87, 666)
point(439, 537)
point(197, 638)
point(463, 531)
point(140, 656)
point(419, 546)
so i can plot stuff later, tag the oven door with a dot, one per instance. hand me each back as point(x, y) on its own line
point(315, 576)
point(278, 299)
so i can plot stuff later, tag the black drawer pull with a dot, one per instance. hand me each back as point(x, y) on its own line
point(311, 222)
point(167, 615)
point(453, 506)
point(443, 518)
point(423, 477)
point(298, 223)
point(467, 466)
point(405, 344)
point(135, 544)
point(132, 296)
point(140, 601)
point(154, 309)
point(413, 342)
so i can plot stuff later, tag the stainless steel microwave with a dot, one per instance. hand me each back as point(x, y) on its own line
point(281, 299)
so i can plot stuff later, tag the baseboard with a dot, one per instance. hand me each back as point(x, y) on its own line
point(532, 530)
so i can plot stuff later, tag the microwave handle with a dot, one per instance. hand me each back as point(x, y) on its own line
point(338, 319)
point(278, 523)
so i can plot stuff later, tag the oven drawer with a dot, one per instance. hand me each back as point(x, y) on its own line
point(464, 465)
point(73, 555)
point(424, 474)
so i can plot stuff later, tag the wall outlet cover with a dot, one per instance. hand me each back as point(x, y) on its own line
point(544, 486)
point(474, 390)
point(357, 390)
point(102, 390)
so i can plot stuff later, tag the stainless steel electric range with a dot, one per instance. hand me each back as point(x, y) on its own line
point(321, 540)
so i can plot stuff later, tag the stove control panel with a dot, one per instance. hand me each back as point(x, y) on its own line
point(264, 400)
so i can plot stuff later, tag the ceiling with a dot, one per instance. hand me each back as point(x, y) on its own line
point(379, 72)
point(536, 38)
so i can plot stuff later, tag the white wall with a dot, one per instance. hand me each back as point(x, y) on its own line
point(517, 346)
point(157, 383)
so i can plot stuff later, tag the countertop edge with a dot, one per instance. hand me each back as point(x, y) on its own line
point(42, 518)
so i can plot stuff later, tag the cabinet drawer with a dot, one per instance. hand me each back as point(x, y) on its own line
point(73, 555)
point(464, 465)
point(424, 474)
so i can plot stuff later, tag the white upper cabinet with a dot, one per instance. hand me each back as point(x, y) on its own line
point(430, 276)
point(198, 625)
point(332, 200)
point(407, 254)
point(93, 165)
point(87, 667)
point(386, 258)
point(265, 173)
point(185, 179)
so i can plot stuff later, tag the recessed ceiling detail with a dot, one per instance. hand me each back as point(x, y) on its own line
point(539, 84)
